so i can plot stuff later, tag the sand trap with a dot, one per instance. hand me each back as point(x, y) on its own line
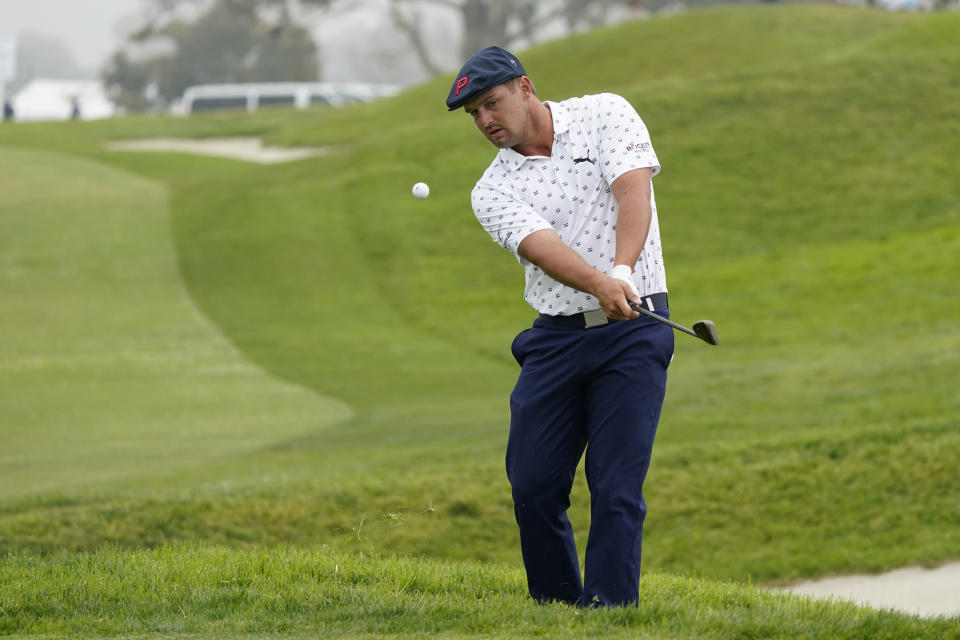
point(250, 149)
point(915, 590)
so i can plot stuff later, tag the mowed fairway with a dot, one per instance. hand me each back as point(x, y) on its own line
point(107, 369)
point(296, 376)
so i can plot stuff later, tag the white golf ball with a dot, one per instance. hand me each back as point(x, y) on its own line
point(421, 190)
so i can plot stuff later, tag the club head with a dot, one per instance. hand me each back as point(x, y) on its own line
point(706, 331)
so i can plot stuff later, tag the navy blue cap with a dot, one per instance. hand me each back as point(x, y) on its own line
point(484, 70)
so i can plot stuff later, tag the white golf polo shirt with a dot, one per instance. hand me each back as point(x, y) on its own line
point(596, 139)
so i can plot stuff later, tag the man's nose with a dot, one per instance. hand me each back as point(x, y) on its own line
point(483, 119)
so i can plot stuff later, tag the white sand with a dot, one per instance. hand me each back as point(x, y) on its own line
point(914, 590)
point(250, 149)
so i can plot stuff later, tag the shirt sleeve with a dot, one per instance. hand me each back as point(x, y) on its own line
point(506, 218)
point(624, 140)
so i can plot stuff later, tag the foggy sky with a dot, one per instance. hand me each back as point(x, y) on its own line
point(90, 29)
point(358, 46)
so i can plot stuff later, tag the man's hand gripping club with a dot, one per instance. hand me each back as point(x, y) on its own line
point(624, 273)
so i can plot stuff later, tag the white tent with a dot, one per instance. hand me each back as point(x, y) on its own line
point(45, 99)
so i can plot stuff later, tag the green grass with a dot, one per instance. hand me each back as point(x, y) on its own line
point(217, 592)
point(108, 369)
point(201, 351)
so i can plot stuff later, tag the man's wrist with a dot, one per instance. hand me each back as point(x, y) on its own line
point(624, 273)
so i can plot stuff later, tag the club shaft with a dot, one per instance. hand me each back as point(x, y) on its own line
point(659, 318)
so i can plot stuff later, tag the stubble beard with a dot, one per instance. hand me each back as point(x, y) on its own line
point(506, 139)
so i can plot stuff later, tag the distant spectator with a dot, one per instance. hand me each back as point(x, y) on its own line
point(7, 110)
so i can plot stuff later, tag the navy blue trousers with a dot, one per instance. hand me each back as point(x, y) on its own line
point(598, 389)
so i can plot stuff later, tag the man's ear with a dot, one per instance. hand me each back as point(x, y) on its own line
point(526, 87)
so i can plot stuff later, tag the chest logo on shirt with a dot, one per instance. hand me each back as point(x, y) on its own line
point(579, 160)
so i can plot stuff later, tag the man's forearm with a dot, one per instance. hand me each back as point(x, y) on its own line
point(632, 192)
point(633, 225)
point(548, 251)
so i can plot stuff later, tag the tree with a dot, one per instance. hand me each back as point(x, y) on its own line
point(128, 81)
point(228, 41)
point(498, 22)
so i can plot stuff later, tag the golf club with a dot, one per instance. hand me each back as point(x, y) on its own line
point(703, 329)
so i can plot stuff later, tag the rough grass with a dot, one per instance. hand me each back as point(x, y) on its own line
point(202, 591)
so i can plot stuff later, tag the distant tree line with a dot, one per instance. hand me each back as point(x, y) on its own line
point(187, 42)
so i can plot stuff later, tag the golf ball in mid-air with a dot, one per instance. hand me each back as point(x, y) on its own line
point(421, 190)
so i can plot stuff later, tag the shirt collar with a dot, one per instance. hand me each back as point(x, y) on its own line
point(561, 124)
point(561, 118)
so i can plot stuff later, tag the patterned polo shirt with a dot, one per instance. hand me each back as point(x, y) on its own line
point(597, 139)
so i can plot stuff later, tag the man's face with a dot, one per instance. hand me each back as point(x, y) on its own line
point(501, 114)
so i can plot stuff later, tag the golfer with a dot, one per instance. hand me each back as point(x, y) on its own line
point(570, 195)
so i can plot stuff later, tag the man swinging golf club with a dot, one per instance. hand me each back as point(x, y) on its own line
point(570, 195)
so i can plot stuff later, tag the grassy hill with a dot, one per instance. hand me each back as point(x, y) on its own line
point(198, 350)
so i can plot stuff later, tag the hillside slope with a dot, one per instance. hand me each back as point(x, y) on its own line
point(808, 205)
point(108, 370)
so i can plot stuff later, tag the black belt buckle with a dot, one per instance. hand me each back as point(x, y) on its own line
point(655, 300)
